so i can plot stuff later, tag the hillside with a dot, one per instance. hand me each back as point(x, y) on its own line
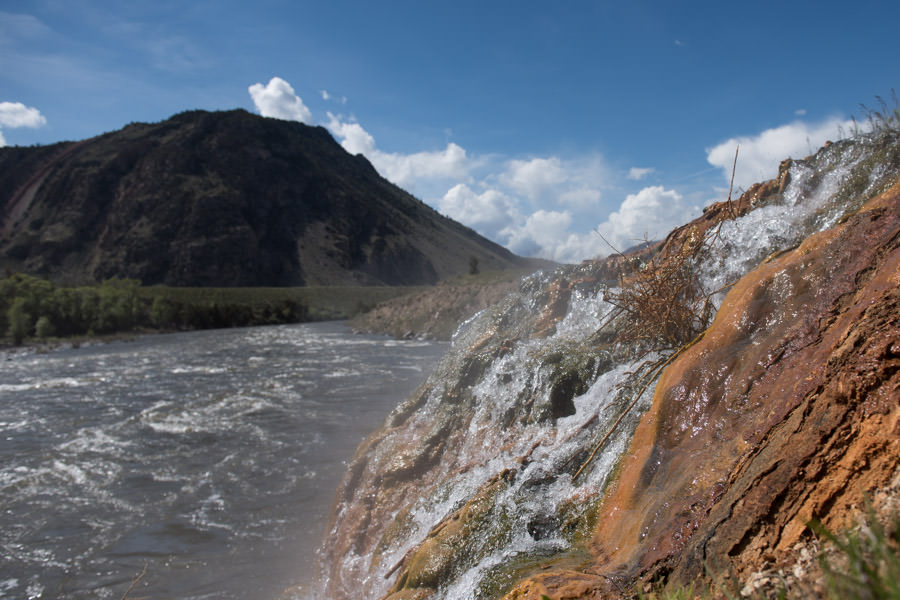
point(436, 312)
point(223, 199)
point(679, 418)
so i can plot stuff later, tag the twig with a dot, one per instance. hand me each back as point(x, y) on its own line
point(731, 185)
point(134, 582)
point(608, 243)
point(655, 370)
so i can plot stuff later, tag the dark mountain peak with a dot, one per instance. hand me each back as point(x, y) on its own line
point(223, 198)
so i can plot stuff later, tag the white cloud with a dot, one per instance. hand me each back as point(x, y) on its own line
point(533, 178)
point(638, 173)
point(508, 200)
point(406, 170)
point(16, 114)
point(547, 181)
point(487, 212)
point(327, 97)
point(651, 213)
point(539, 234)
point(353, 137)
point(277, 99)
point(759, 155)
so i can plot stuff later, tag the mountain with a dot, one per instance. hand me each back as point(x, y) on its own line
point(223, 199)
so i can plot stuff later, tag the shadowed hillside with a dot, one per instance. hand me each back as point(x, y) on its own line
point(223, 199)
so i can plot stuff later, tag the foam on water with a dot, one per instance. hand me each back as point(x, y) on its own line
point(813, 200)
point(203, 455)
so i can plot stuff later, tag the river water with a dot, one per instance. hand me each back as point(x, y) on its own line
point(210, 458)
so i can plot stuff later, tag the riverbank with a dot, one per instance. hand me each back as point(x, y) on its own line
point(38, 313)
point(436, 312)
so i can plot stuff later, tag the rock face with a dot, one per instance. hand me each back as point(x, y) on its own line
point(787, 410)
point(541, 459)
point(223, 199)
point(797, 421)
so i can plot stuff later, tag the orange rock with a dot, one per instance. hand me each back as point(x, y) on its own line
point(787, 409)
point(555, 309)
point(765, 422)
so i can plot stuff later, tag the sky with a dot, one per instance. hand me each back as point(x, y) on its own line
point(537, 124)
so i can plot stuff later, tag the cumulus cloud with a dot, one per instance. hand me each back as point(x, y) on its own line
point(759, 155)
point(539, 234)
point(573, 183)
point(487, 212)
point(352, 136)
point(651, 213)
point(549, 234)
point(277, 99)
point(16, 114)
point(533, 178)
point(511, 201)
point(406, 170)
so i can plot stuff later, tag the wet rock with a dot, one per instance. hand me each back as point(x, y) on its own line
point(446, 548)
point(785, 411)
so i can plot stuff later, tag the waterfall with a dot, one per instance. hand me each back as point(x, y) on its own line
point(495, 467)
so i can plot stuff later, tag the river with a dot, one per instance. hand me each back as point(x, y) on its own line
point(208, 458)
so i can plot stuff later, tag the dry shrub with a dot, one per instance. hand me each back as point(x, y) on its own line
point(662, 300)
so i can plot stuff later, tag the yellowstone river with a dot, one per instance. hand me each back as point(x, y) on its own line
point(208, 460)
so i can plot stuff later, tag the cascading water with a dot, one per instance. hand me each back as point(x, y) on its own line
point(487, 471)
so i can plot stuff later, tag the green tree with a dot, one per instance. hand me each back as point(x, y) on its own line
point(19, 321)
point(43, 328)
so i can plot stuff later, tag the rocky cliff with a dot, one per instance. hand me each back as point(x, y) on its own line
point(570, 446)
point(223, 199)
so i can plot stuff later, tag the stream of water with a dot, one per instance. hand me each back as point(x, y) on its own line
point(210, 458)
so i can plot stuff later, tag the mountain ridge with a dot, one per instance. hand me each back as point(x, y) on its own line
point(224, 198)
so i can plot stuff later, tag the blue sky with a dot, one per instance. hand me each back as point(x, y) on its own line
point(532, 122)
